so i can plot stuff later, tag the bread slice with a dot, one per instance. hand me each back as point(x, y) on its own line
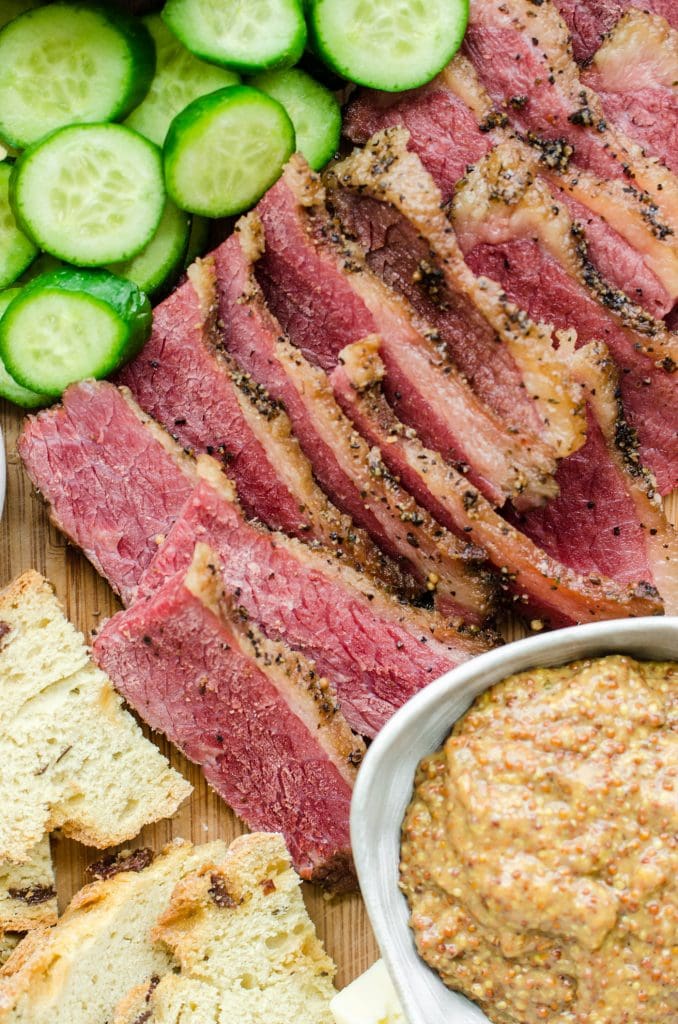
point(8, 943)
point(247, 949)
point(27, 892)
point(101, 947)
point(71, 757)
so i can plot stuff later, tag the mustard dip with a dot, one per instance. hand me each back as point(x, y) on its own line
point(540, 851)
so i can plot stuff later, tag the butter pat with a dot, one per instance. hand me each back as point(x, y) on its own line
point(370, 999)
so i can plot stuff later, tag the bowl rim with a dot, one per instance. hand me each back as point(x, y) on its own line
point(379, 800)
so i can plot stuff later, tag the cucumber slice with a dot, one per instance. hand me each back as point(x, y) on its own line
point(72, 324)
point(68, 63)
point(179, 79)
point(9, 388)
point(313, 109)
point(89, 194)
point(244, 35)
point(11, 9)
point(158, 266)
point(198, 239)
point(225, 150)
point(391, 45)
point(16, 250)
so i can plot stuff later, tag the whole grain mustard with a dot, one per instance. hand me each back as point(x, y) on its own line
point(540, 851)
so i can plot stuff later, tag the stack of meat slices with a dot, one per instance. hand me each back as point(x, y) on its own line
point(393, 404)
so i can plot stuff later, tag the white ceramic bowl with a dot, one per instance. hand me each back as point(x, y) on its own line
point(385, 782)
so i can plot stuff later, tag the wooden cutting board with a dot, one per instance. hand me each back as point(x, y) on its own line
point(28, 540)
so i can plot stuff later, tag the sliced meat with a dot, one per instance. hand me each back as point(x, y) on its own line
point(515, 234)
point(539, 585)
point(209, 406)
point(319, 288)
point(635, 74)
point(353, 476)
point(265, 729)
point(628, 248)
point(390, 202)
point(522, 52)
point(608, 515)
point(114, 481)
point(433, 116)
point(376, 651)
point(589, 21)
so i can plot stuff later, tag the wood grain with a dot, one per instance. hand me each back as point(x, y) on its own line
point(28, 540)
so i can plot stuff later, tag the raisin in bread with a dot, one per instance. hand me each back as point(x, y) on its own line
point(102, 946)
point(247, 949)
point(71, 757)
point(27, 892)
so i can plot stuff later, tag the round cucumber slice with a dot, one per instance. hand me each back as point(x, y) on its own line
point(250, 36)
point(313, 109)
point(179, 79)
point(158, 266)
point(9, 388)
point(225, 150)
point(16, 250)
point(72, 324)
point(89, 194)
point(391, 45)
point(69, 63)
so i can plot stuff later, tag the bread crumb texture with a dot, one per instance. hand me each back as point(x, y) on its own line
point(101, 947)
point(71, 757)
point(244, 946)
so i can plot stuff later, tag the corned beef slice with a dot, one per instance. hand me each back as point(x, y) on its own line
point(589, 21)
point(203, 401)
point(634, 73)
point(393, 206)
point(538, 583)
point(522, 51)
point(433, 116)
point(626, 247)
point(265, 729)
point(376, 651)
point(354, 477)
point(319, 288)
point(114, 481)
point(608, 515)
point(517, 236)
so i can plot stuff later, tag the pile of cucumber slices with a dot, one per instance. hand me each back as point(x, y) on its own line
point(123, 137)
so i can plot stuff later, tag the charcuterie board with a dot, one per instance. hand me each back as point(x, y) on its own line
point(28, 540)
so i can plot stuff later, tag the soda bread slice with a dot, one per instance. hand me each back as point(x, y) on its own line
point(101, 947)
point(246, 946)
point(8, 943)
point(27, 892)
point(71, 757)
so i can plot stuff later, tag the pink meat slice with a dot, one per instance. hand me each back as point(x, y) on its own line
point(343, 463)
point(265, 730)
point(181, 382)
point(539, 283)
point(319, 289)
point(114, 485)
point(539, 584)
point(447, 153)
point(634, 74)
point(376, 651)
point(589, 21)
